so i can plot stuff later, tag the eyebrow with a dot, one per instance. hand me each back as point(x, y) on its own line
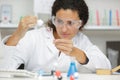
point(67, 19)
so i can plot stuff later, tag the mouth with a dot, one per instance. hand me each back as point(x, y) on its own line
point(65, 35)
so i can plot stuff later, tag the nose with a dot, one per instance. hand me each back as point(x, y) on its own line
point(64, 28)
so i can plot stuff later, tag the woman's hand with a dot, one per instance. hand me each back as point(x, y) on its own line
point(64, 45)
point(25, 23)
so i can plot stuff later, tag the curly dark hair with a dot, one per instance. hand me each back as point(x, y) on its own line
point(76, 5)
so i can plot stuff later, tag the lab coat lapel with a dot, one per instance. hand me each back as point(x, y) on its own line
point(49, 42)
point(52, 47)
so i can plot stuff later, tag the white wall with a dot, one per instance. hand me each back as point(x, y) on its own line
point(1, 50)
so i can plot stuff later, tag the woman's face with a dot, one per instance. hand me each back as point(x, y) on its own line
point(67, 23)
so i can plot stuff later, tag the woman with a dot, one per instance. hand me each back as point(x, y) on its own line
point(54, 46)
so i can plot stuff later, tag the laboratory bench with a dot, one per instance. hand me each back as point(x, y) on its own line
point(81, 77)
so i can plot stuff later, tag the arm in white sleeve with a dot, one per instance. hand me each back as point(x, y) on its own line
point(15, 55)
point(97, 59)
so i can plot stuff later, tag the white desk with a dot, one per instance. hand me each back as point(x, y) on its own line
point(98, 77)
point(81, 77)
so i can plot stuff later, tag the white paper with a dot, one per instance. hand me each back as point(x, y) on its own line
point(113, 56)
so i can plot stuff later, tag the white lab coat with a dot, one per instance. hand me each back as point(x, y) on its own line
point(37, 51)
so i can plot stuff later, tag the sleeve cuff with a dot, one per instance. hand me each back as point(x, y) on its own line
point(87, 60)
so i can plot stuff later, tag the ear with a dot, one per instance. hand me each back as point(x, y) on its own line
point(81, 23)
